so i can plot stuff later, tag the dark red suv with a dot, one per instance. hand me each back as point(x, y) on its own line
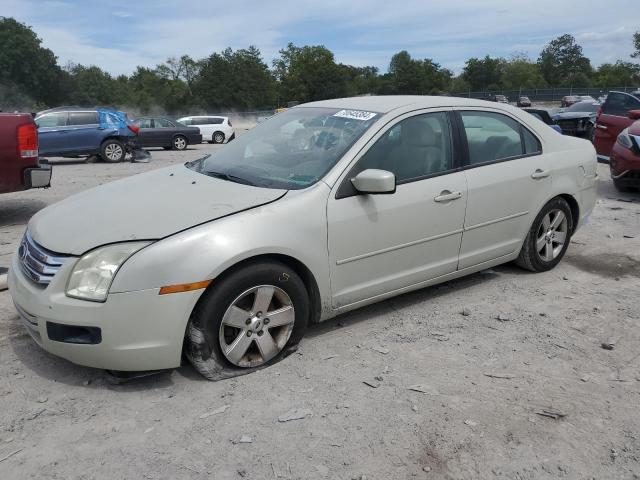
point(614, 116)
point(625, 156)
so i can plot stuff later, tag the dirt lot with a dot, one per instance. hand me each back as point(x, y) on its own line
point(458, 395)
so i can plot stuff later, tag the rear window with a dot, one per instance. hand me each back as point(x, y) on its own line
point(83, 118)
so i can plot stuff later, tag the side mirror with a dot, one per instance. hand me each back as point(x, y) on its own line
point(374, 181)
point(634, 114)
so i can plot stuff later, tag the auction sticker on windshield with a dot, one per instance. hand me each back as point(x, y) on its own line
point(355, 114)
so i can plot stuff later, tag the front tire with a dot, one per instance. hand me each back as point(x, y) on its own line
point(548, 239)
point(179, 143)
point(112, 151)
point(249, 320)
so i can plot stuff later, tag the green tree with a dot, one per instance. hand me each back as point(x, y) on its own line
point(27, 67)
point(520, 72)
point(235, 79)
point(619, 74)
point(309, 73)
point(91, 86)
point(484, 73)
point(636, 45)
point(409, 76)
point(562, 63)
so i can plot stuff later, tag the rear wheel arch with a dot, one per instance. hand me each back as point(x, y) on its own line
point(575, 208)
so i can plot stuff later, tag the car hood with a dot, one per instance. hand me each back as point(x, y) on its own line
point(572, 115)
point(148, 206)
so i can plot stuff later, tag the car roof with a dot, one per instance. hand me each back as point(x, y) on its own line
point(387, 103)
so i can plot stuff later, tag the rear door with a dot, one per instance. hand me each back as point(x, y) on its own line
point(612, 120)
point(163, 131)
point(508, 180)
point(52, 133)
point(83, 132)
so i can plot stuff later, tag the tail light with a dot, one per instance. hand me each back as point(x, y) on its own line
point(229, 122)
point(134, 128)
point(28, 141)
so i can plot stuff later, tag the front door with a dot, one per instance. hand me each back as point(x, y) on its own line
point(508, 179)
point(382, 243)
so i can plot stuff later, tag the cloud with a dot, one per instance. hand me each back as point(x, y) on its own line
point(361, 32)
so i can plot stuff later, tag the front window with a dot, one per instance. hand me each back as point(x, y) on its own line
point(292, 150)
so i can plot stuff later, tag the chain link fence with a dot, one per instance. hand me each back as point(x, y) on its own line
point(546, 94)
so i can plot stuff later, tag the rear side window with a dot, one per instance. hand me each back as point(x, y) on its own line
point(531, 143)
point(214, 120)
point(83, 118)
point(619, 104)
point(144, 123)
point(187, 121)
point(58, 119)
point(491, 137)
point(163, 123)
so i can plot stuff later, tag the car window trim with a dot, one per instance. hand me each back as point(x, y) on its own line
point(466, 165)
point(456, 156)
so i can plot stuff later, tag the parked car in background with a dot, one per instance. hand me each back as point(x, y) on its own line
point(498, 98)
point(76, 131)
point(228, 258)
point(162, 132)
point(545, 116)
point(569, 100)
point(20, 168)
point(614, 116)
point(523, 102)
point(624, 163)
point(578, 120)
point(214, 129)
point(586, 98)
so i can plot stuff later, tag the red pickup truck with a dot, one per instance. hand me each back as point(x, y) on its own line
point(19, 165)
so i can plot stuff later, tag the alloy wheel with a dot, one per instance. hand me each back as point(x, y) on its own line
point(113, 151)
point(256, 326)
point(552, 235)
point(218, 138)
point(180, 143)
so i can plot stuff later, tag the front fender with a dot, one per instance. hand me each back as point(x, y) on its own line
point(295, 226)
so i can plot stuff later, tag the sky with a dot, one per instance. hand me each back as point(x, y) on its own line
point(118, 36)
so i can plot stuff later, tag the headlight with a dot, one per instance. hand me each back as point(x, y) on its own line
point(624, 139)
point(92, 275)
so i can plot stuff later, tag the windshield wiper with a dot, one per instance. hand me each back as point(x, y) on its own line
point(228, 177)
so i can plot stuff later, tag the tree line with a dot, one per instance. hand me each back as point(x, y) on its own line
point(31, 78)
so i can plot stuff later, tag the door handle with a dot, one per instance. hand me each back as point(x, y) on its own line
point(600, 126)
point(540, 174)
point(447, 196)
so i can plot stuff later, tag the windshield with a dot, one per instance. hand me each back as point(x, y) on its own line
point(583, 107)
point(291, 150)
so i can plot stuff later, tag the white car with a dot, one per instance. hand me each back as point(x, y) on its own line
point(321, 209)
point(214, 129)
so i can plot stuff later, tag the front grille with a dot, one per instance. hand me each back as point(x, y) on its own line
point(37, 263)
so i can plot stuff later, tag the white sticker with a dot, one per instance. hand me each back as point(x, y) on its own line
point(355, 115)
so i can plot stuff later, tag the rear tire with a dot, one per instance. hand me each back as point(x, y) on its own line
point(218, 137)
point(112, 151)
point(226, 337)
point(549, 237)
point(621, 186)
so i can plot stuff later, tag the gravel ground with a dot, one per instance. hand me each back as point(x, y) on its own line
point(452, 391)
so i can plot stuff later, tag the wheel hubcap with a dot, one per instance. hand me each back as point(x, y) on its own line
point(256, 326)
point(113, 152)
point(180, 143)
point(218, 138)
point(552, 235)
